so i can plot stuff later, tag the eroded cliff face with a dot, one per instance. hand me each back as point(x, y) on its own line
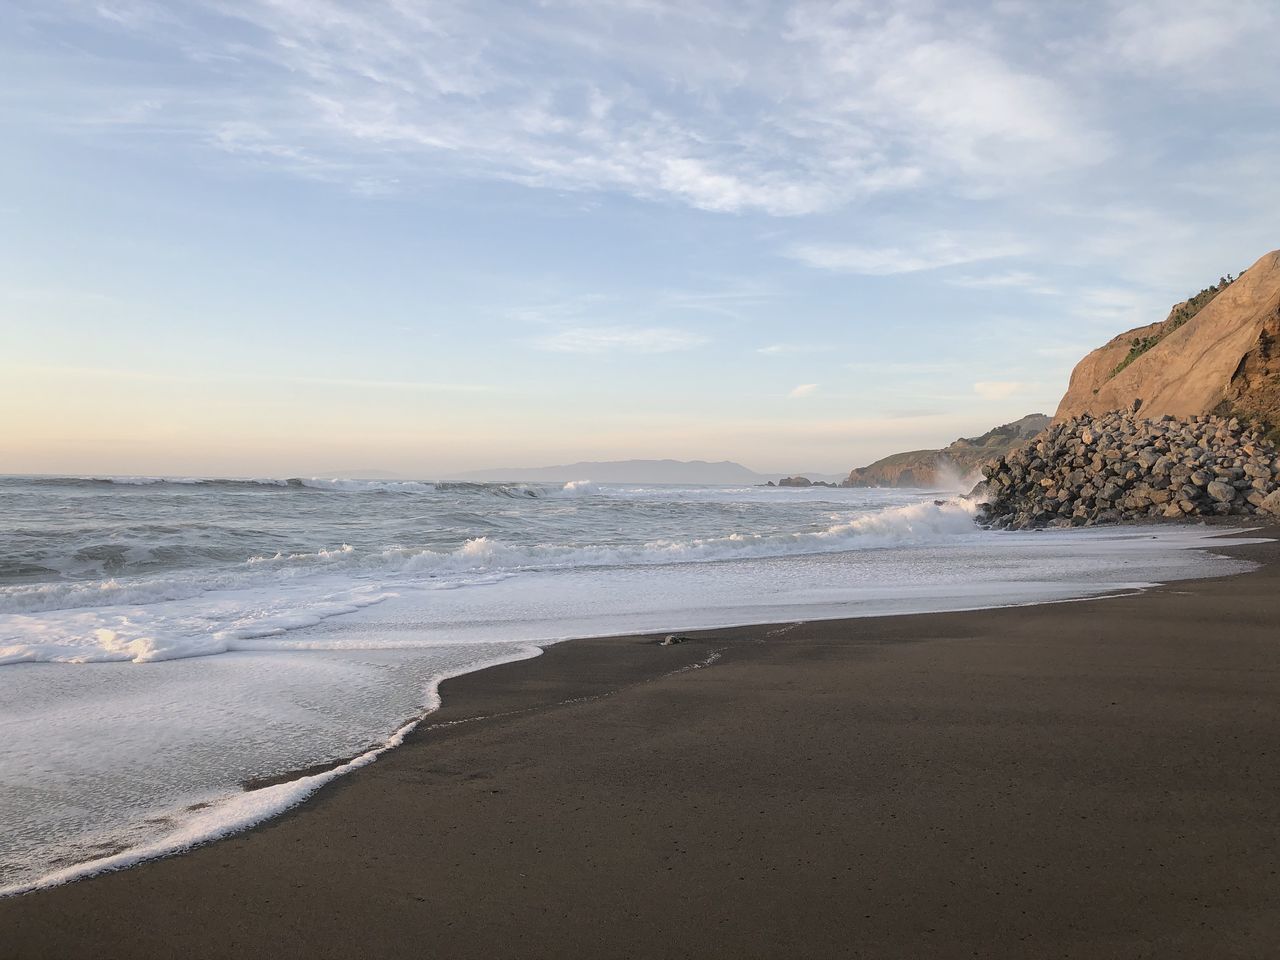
point(1254, 390)
point(1223, 359)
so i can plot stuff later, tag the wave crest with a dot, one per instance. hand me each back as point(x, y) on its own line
point(574, 488)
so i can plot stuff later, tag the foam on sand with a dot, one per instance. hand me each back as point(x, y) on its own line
point(215, 817)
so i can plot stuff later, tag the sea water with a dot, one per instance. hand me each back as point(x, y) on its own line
point(165, 641)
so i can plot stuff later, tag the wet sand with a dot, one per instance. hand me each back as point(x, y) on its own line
point(1094, 779)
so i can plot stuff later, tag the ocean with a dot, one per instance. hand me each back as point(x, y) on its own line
point(166, 641)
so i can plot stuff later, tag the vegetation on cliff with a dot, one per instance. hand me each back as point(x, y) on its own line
point(1177, 317)
point(1214, 354)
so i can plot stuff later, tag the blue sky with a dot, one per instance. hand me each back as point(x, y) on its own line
point(289, 236)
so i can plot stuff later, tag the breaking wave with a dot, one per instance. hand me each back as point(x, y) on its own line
point(915, 523)
point(326, 484)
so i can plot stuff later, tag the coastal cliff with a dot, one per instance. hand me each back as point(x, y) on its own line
point(1172, 420)
point(947, 466)
point(1214, 354)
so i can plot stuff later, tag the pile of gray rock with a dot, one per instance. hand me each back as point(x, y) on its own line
point(1121, 466)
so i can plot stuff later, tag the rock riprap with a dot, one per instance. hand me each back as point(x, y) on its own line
point(1122, 466)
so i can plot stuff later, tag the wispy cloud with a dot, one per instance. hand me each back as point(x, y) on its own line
point(1207, 45)
point(803, 390)
point(188, 376)
point(999, 389)
point(620, 339)
point(1064, 351)
point(1008, 280)
point(904, 367)
point(423, 386)
point(775, 349)
point(829, 103)
point(929, 253)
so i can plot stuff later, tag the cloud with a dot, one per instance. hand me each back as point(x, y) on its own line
point(407, 385)
point(1065, 351)
point(620, 339)
point(1009, 280)
point(204, 375)
point(999, 389)
point(1201, 45)
point(907, 367)
point(803, 390)
point(775, 349)
point(785, 110)
point(929, 253)
point(937, 78)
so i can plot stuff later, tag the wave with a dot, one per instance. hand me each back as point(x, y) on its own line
point(204, 610)
point(130, 481)
point(330, 484)
point(572, 489)
point(486, 556)
point(915, 523)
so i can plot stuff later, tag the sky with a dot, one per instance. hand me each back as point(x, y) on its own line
point(284, 237)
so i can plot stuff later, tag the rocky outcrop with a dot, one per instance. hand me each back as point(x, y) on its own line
point(799, 481)
point(1215, 353)
point(948, 466)
point(1121, 466)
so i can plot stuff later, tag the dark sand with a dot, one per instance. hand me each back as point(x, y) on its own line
point(1092, 779)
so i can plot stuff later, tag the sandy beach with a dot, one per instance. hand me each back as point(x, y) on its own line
point(1092, 779)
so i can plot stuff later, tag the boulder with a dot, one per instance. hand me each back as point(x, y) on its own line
point(1222, 492)
point(1270, 504)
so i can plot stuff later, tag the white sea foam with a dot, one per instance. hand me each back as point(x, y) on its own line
point(200, 613)
point(190, 820)
point(370, 486)
point(917, 522)
point(201, 625)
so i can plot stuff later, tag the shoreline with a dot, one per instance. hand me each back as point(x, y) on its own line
point(567, 677)
point(264, 798)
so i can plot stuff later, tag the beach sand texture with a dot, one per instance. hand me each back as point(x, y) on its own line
point(1092, 779)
